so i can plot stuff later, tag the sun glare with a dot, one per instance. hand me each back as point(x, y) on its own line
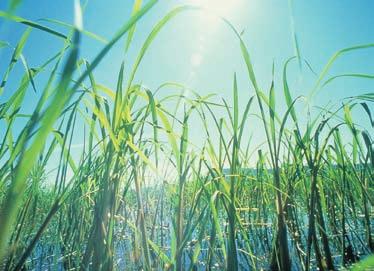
point(208, 21)
point(217, 7)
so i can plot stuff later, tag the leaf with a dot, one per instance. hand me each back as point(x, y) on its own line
point(272, 110)
point(348, 118)
point(152, 106)
point(295, 39)
point(369, 146)
point(118, 99)
point(83, 31)
point(244, 118)
point(332, 61)
point(236, 105)
point(16, 54)
point(150, 39)
point(354, 75)
point(286, 90)
point(17, 186)
point(3, 44)
point(119, 34)
point(66, 153)
point(170, 134)
point(105, 123)
point(14, 4)
point(214, 198)
point(136, 7)
point(21, 20)
point(366, 108)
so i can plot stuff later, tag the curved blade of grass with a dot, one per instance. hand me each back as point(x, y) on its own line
point(152, 36)
point(118, 99)
point(119, 34)
point(170, 135)
point(331, 62)
point(65, 151)
point(16, 54)
point(286, 90)
point(152, 106)
point(353, 75)
point(366, 108)
point(294, 36)
point(214, 198)
point(272, 112)
point(83, 31)
point(21, 20)
point(135, 8)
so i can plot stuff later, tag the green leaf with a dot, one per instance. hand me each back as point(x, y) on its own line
point(354, 75)
point(366, 108)
point(170, 134)
point(3, 44)
point(136, 7)
point(150, 39)
point(332, 60)
point(14, 4)
point(272, 110)
point(348, 117)
point(286, 90)
point(21, 20)
point(66, 153)
point(16, 55)
point(15, 191)
point(83, 31)
point(152, 106)
point(236, 105)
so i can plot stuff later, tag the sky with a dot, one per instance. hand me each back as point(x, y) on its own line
point(198, 50)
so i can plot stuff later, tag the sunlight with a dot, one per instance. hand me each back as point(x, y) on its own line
point(217, 7)
point(207, 24)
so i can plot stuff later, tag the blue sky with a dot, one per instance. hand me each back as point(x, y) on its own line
point(202, 53)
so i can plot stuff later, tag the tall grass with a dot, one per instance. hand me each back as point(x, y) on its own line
point(142, 195)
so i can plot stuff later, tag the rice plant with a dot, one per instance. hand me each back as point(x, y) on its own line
point(143, 195)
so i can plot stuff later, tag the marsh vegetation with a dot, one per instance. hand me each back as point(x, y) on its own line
point(141, 195)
